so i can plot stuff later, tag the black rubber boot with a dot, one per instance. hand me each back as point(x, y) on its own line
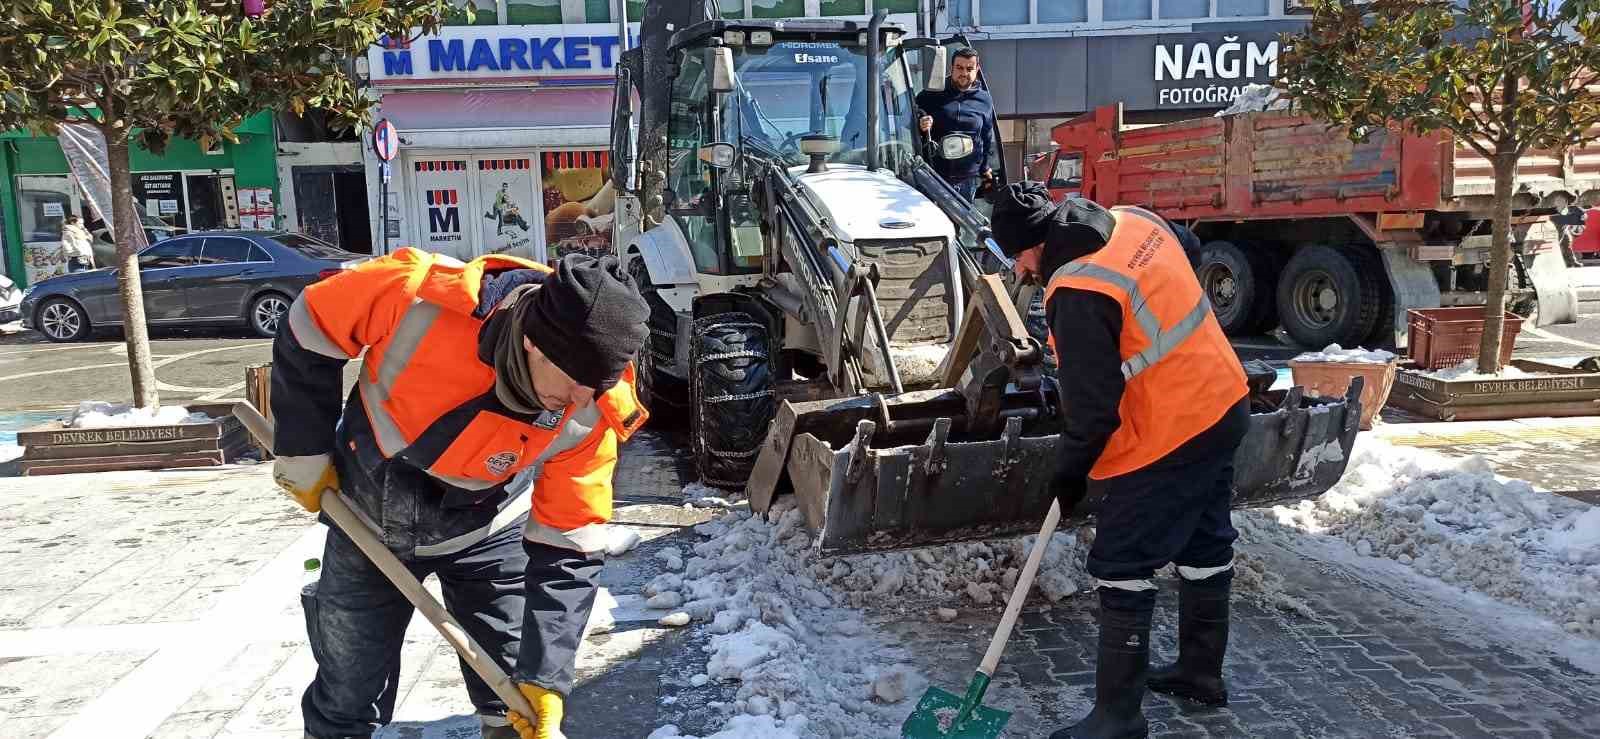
point(1119, 677)
point(1202, 642)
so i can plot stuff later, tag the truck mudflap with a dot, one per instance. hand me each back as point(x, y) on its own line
point(924, 482)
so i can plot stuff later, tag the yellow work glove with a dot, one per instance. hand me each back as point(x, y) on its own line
point(305, 478)
point(547, 707)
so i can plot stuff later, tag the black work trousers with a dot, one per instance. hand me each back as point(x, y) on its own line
point(500, 589)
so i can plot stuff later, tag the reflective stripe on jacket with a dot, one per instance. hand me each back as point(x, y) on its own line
point(426, 400)
point(1181, 373)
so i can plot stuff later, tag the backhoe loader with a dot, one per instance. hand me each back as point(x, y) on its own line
point(831, 316)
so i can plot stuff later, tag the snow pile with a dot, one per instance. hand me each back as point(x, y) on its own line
point(1338, 354)
point(1468, 370)
point(9, 452)
point(699, 495)
point(1255, 98)
point(806, 666)
point(1454, 520)
point(94, 414)
point(917, 363)
point(982, 572)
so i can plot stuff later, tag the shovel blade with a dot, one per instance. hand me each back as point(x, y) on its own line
point(936, 713)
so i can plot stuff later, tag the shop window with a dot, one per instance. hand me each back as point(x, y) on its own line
point(1005, 12)
point(531, 12)
point(487, 13)
point(1063, 11)
point(1185, 8)
point(599, 11)
point(1125, 10)
point(895, 6)
point(961, 13)
point(1241, 8)
point(843, 7)
point(777, 8)
point(578, 203)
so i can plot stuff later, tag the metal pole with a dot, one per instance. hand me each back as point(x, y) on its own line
point(622, 27)
point(383, 203)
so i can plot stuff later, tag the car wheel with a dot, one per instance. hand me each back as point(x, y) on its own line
point(62, 320)
point(267, 314)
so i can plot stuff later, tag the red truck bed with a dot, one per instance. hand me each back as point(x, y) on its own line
point(1279, 164)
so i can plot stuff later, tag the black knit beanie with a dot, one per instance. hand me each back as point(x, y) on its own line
point(589, 319)
point(1021, 216)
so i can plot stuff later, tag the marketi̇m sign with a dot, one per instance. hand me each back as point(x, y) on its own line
point(575, 53)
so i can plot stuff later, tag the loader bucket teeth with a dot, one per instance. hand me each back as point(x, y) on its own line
point(890, 472)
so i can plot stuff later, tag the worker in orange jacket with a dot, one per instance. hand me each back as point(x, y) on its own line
point(480, 440)
point(1156, 408)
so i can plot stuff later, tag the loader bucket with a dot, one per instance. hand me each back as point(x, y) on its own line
point(879, 473)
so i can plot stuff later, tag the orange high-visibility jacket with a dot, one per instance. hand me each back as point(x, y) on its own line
point(1181, 374)
point(429, 401)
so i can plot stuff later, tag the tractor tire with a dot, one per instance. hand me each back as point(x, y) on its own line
point(731, 389)
point(1230, 276)
point(664, 395)
point(1326, 297)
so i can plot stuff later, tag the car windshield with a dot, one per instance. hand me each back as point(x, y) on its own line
point(793, 88)
point(312, 247)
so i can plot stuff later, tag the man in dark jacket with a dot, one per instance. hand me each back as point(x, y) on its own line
point(1157, 408)
point(962, 107)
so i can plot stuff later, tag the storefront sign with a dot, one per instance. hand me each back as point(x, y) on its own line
point(1204, 70)
point(1201, 70)
point(501, 53)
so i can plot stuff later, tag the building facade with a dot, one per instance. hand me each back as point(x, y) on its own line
point(504, 124)
point(1048, 60)
point(183, 189)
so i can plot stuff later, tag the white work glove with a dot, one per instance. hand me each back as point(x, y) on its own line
point(306, 478)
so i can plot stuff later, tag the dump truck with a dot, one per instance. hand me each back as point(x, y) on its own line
point(1331, 239)
point(833, 318)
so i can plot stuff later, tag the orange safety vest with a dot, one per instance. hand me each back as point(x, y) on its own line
point(1181, 373)
point(429, 400)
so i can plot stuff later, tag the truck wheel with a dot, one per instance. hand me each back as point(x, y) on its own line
point(732, 403)
point(1230, 278)
point(1382, 335)
point(1325, 297)
point(663, 394)
point(1268, 259)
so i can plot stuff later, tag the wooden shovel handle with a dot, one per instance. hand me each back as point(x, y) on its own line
point(338, 508)
point(1002, 634)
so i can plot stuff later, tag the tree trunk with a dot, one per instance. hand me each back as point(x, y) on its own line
point(129, 235)
point(1494, 309)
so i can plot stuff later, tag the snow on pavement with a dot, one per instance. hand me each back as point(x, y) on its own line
point(1454, 520)
point(1340, 355)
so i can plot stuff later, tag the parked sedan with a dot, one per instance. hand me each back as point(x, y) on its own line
point(211, 278)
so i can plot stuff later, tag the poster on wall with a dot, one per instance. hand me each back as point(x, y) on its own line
point(442, 186)
point(578, 202)
point(509, 212)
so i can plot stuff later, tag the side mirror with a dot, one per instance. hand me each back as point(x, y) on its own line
point(721, 63)
point(719, 155)
point(938, 60)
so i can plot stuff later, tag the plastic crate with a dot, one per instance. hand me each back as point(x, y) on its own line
point(1446, 337)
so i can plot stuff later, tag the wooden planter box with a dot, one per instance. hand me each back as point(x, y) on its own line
point(1563, 392)
point(52, 449)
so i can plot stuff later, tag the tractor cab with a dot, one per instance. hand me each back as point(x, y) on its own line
point(789, 94)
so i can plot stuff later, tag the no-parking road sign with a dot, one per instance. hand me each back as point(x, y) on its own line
point(385, 140)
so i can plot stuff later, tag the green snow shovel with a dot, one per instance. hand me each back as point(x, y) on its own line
point(942, 714)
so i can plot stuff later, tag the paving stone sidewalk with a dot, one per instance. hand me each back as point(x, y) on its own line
point(166, 605)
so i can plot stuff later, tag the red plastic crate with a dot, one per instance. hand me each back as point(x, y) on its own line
point(1446, 337)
